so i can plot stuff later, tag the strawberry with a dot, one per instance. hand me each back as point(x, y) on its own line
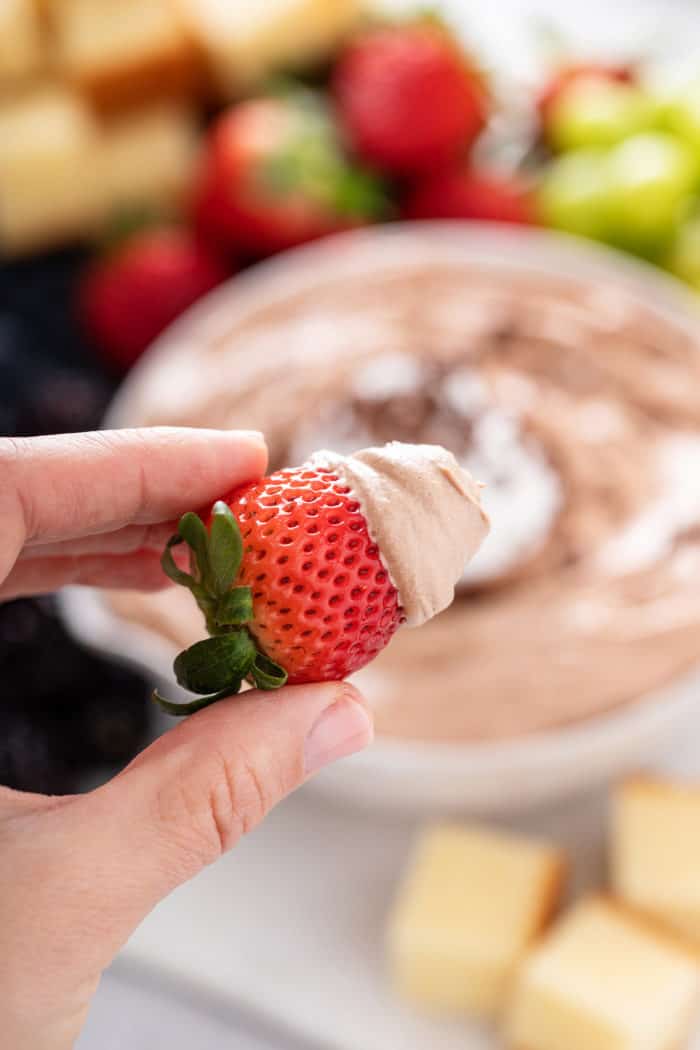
point(569, 74)
point(128, 296)
point(407, 98)
point(464, 194)
point(275, 176)
point(291, 584)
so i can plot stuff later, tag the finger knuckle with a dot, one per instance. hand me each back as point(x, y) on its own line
point(13, 498)
point(239, 797)
point(207, 813)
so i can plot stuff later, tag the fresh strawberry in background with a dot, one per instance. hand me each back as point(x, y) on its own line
point(464, 194)
point(134, 291)
point(275, 176)
point(569, 74)
point(408, 98)
point(312, 600)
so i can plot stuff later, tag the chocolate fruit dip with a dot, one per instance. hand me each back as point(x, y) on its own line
point(573, 400)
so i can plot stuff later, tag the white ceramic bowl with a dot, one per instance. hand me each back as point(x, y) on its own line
point(490, 777)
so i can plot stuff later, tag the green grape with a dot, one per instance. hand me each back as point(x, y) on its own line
point(573, 193)
point(683, 256)
point(596, 112)
point(650, 184)
point(682, 114)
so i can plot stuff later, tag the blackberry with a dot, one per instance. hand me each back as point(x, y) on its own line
point(28, 761)
point(64, 711)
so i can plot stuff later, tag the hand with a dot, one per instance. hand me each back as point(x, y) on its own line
point(78, 873)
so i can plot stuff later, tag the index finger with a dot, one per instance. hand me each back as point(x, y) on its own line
point(54, 488)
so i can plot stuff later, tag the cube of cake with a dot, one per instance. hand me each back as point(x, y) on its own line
point(21, 50)
point(123, 51)
point(49, 148)
point(245, 42)
point(655, 850)
point(470, 906)
point(146, 157)
point(600, 980)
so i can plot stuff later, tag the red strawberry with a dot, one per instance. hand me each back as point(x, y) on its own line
point(131, 294)
point(408, 98)
point(275, 176)
point(464, 194)
point(291, 585)
point(569, 74)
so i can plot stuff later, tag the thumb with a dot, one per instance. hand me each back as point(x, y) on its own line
point(188, 798)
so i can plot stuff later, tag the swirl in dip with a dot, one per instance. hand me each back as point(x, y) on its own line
point(576, 404)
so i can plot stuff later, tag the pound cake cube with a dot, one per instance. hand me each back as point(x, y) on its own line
point(470, 905)
point(47, 190)
point(21, 49)
point(147, 157)
point(123, 51)
point(601, 980)
point(655, 850)
point(244, 42)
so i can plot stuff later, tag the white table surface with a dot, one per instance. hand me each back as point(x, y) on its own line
point(289, 927)
point(139, 1010)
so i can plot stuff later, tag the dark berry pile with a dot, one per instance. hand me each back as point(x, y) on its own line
point(66, 715)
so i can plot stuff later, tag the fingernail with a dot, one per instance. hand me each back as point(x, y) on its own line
point(255, 436)
point(343, 729)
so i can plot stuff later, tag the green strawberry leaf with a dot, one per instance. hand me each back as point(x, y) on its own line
point(193, 531)
point(313, 164)
point(215, 663)
point(266, 674)
point(225, 551)
point(216, 666)
point(127, 222)
point(180, 710)
point(169, 567)
point(358, 194)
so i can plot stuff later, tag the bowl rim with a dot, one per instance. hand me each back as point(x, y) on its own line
point(519, 249)
point(530, 250)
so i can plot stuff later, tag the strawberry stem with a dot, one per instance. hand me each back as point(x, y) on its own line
point(217, 665)
point(314, 164)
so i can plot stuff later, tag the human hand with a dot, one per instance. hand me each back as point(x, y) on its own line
point(78, 873)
